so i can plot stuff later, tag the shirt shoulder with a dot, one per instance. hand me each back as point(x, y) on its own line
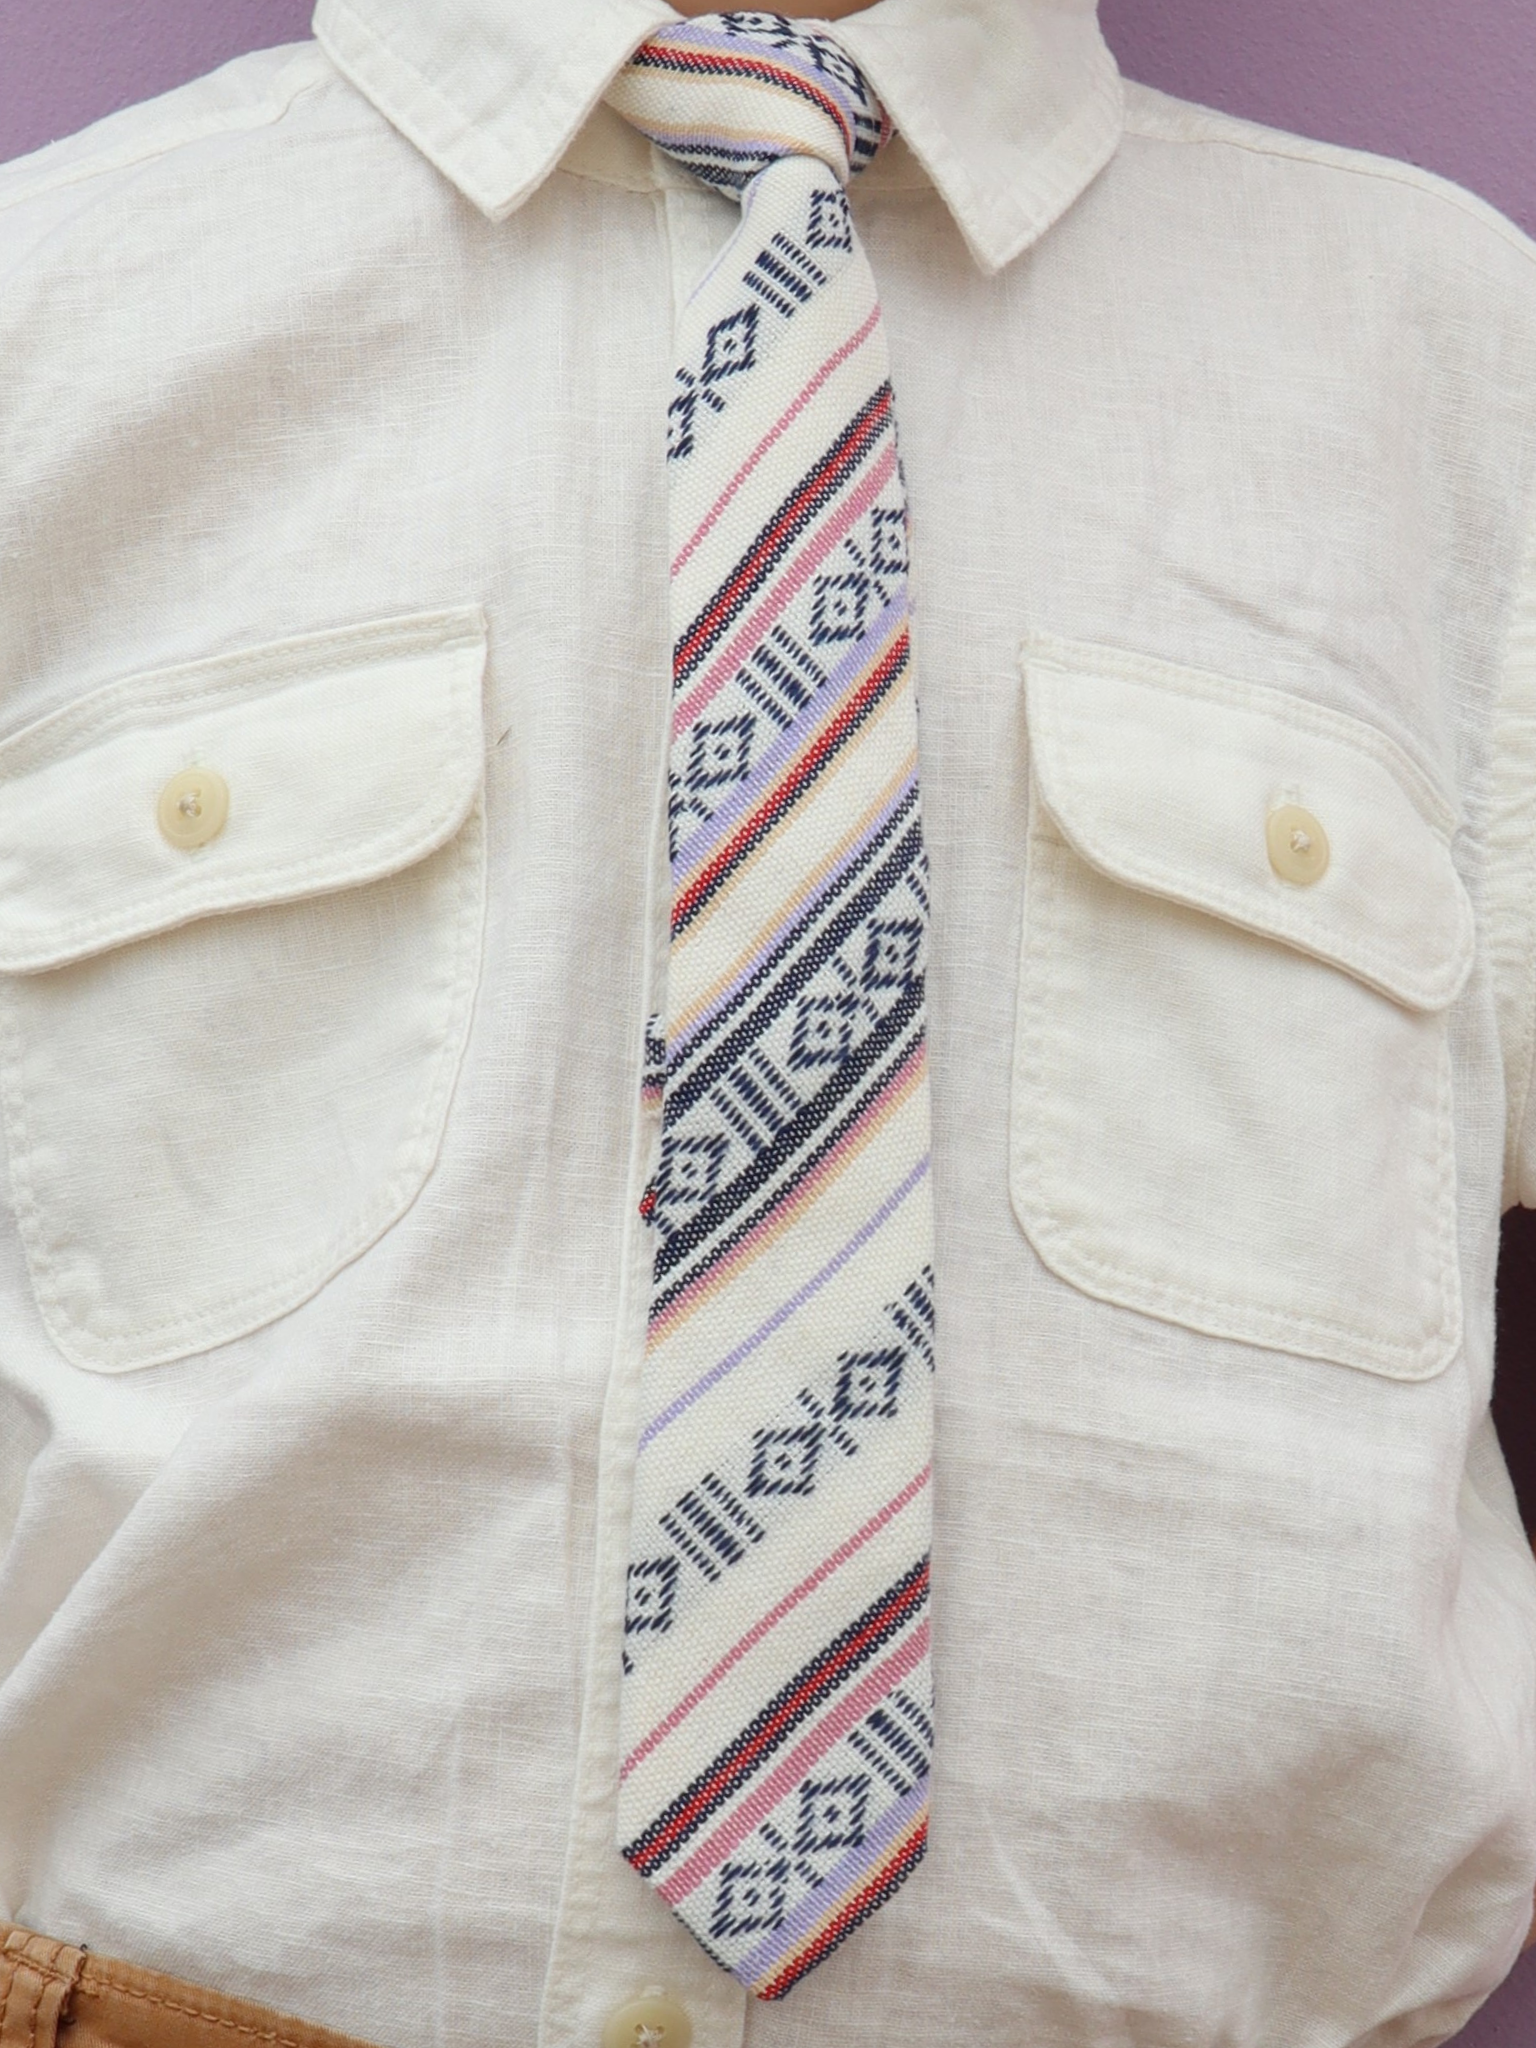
point(251, 92)
point(238, 105)
point(1411, 199)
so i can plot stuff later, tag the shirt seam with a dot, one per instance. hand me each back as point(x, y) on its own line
point(1262, 700)
point(265, 113)
point(1511, 862)
point(906, 188)
point(1354, 163)
point(590, 176)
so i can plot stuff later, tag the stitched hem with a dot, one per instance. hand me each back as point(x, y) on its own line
point(1085, 1250)
point(1416, 979)
point(103, 1985)
point(492, 176)
point(236, 1315)
point(74, 1975)
point(1061, 167)
point(1510, 898)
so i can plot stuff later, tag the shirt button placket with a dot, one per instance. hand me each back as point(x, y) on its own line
point(615, 1942)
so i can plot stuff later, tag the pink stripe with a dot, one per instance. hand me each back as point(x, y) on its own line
point(785, 585)
point(773, 1617)
point(814, 1182)
point(756, 1808)
point(845, 680)
point(832, 363)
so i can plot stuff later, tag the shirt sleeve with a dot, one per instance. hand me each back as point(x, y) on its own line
point(1510, 901)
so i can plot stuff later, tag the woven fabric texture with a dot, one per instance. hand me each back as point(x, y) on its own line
point(777, 1693)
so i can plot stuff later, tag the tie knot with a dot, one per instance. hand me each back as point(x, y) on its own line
point(730, 94)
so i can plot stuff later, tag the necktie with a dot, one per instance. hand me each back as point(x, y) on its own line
point(776, 1698)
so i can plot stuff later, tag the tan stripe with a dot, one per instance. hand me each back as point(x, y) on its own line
point(771, 875)
point(758, 1287)
point(892, 1853)
point(730, 1263)
point(795, 904)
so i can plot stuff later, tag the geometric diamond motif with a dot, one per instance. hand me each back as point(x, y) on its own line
point(823, 1031)
point(680, 416)
point(868, 1383)
point(888, 536)
point(891, 948)
point(690, 1169)
point(838, 608)
point(751, 1898)
point(731, 346)
point(831, 225)
point(784, 1460)
point(720, 752)
point(652, 1588)
point(831, 1814)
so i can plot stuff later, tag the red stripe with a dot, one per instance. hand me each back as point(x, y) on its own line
point(783, 794)
point(832, 468)
point(775, 1615)
point(833, 362)
point(709, 60)
point(736, 1766)
point(848, 1916)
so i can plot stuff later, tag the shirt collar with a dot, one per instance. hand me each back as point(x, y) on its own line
point(1011, 106)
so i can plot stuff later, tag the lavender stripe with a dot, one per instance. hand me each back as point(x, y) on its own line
point(798, 916)
point(789, 741)
point(781, 1316)
point(695, 36)
point(842, 1880)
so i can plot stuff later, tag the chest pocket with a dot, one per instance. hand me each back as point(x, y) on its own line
point(1231, 1090)
point(229, 1029)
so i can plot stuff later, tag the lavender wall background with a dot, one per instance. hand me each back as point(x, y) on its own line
point(1447, 83)
point(1450, 84)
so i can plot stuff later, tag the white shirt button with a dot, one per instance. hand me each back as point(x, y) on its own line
point(193, 807)
point(1298, 845)
point(653, 2020)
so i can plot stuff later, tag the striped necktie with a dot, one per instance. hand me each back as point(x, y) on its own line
point(777, 1699)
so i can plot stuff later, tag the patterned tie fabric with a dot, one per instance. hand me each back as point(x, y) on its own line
point(777, 1701)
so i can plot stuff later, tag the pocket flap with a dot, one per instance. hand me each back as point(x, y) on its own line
point(348, 755)
point(1165, 779)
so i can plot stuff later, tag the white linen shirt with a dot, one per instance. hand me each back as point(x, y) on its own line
point(331, 429)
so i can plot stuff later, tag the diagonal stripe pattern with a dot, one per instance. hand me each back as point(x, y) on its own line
point(777, 1698)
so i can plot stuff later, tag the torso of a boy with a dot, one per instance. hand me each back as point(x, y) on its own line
point(332, 461)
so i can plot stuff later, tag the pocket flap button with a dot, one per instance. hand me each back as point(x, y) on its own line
point(193, 807)
point(653, 2020)
point(1298, 845)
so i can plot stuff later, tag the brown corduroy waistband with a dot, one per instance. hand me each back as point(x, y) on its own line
point(55, 1996)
